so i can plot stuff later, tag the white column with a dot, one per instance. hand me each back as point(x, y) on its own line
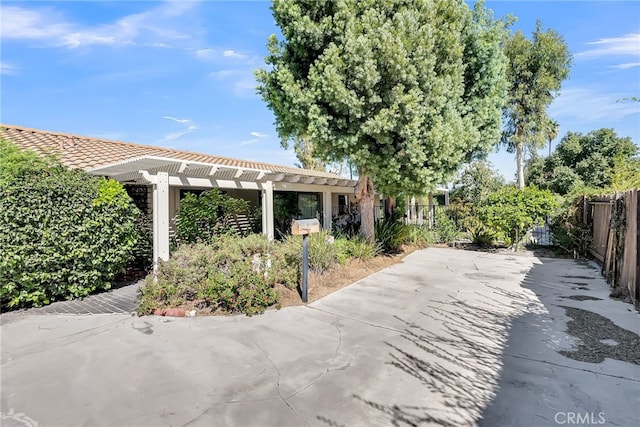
point(413, 210)
point(154, 215)
point(267, 210)
point(408, 211)
point(161, 217)
point(326, 210)
point(263, 205)
point(420, 211)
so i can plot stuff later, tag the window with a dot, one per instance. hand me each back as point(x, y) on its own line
point(308, 205)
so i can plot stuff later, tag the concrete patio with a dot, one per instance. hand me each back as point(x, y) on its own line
point(447, 337)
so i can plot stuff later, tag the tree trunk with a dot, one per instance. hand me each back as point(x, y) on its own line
point(389, 207)
point(364, 196)
point(520, 164)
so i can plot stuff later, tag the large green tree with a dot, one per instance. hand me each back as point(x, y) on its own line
point(536, 69)
point(590, 160)
point(406, 91)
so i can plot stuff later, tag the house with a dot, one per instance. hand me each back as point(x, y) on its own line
point(157, 178)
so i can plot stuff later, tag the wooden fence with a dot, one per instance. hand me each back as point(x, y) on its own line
point(615, 226)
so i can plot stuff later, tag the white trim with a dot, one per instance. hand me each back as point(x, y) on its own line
point(267, 210)
point(326, 210)
point(285, 186)
point(161, 218)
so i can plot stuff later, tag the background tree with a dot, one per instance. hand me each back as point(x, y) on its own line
point(625, 174)
point(406, 91)
point(476, 182)
point(535, 70)
point(585, 160)
point(303, 148)
point(552, 131)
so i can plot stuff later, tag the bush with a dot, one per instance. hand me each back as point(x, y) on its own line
point(142, 253)
point(391, 234)
point(511, 211)
point(63, 235)
point(568, 232)
point(231, 274)
point(445, 227)
point(356, 247)
point(421, 236)
point(16, 164)
point(202, 217)
point(323, 253)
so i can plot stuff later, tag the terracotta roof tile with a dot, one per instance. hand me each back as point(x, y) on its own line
point(84, 152)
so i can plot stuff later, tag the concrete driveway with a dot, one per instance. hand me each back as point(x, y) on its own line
point(448, 337)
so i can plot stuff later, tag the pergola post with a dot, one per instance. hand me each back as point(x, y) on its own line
point(267, 210)
point(160, 218)
point(326, 210)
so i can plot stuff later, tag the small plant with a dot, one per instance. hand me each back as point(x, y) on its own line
point(445, 228)
point(421, 236)
point(323, 253)
point(391, 234)
point(356, 247)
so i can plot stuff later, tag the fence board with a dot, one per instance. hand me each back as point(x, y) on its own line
point(622, 270)
point(601, 218)
point(629, 271)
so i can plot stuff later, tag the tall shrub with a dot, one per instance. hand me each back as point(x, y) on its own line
point(205, 216)
point(63, 234)
point(512, 211)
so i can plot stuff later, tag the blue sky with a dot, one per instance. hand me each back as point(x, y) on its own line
point(179, 74)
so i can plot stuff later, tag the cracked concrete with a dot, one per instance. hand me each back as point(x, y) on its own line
point(448, 337)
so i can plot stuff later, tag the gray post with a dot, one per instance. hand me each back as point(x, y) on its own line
point(305, 265)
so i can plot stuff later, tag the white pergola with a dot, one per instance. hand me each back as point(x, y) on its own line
point(163, 172)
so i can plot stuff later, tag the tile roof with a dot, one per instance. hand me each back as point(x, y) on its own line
point(84, 152)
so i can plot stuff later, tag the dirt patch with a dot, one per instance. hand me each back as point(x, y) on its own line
point(339, 277)
point(596, 333)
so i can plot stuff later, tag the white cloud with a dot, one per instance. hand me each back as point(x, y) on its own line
point(257, 137)
point(245, 87)
point(242, 81)
point(216, 54)
point(189, 127)
point(223, 74)
point(626, 66)
point(205, 53)
point(233, 54)
point(176, 120)
point(627, 45)
point(8, 69)
point(249, 142)
point(154, 27)
point(587, 105)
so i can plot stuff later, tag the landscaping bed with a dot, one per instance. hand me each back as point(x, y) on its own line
point(248, 275)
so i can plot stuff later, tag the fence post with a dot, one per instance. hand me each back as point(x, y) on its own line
point(637, 248)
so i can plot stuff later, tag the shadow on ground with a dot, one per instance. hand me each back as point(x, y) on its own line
point(504, 355)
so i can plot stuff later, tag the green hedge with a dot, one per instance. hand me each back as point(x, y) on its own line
point(63, 235)
point(203, 217)
point(511, 211)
